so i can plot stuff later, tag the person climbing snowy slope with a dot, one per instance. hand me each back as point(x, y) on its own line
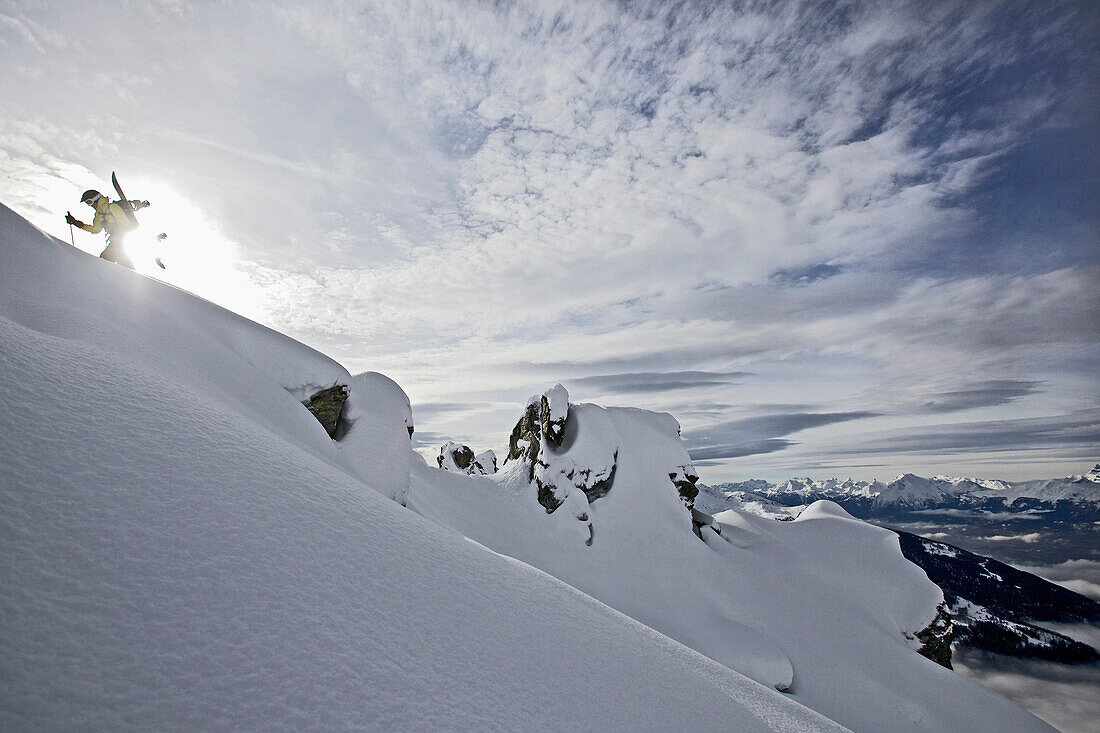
point(116, 217)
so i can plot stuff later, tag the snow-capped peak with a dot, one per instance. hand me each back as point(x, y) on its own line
point(914, 492)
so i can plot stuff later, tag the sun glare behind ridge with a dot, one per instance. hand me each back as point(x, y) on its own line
point(196, 255)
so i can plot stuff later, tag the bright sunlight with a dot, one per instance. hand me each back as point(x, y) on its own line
point(196, 255)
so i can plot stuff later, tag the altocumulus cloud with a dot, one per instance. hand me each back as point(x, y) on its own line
point(493, 195)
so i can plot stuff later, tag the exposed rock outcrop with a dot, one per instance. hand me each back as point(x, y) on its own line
point(558, 475)
point(537, 441)
point(327, 406)
point(455, 457)
point(553, 412)
point(572, 454)
point(523, 444)
point(684, 478)
point(459, 458)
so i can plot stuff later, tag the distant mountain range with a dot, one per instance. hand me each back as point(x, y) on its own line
point(988, 605)
point(1074, 498)
point(995, 607)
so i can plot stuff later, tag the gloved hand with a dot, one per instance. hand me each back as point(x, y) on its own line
point(139, 204)
point(70, 219)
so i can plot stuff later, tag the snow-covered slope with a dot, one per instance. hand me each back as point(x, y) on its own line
point(184, 548)
point(821, 606)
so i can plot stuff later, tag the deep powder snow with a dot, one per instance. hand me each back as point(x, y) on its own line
point(184, 547)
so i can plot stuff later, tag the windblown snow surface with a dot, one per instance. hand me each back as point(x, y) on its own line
point(183, 547)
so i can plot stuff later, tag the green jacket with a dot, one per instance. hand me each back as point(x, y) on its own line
point(111, 216)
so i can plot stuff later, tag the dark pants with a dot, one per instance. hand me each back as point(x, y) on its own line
point(115, 253)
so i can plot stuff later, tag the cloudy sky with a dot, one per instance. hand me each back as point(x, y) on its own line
point(831, 238)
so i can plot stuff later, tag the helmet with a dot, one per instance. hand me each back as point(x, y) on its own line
point(90, 197)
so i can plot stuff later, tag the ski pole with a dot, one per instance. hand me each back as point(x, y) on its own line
point(71, 237)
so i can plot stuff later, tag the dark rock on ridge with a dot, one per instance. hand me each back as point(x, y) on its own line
point(327, 406)
point(526, 437)
point(685, 479)
point(539, 433)
point(553, 413)
point(594, 484)
point(459, 458)
point(461, 455)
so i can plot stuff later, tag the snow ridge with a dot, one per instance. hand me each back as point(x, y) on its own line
point(186, 547)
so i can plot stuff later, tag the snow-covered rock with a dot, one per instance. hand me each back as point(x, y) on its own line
point(455, 457)
point(585, 467)
point(375, 446)
point(526, 439)
point(486, 462)
point(825, 608)
point(572, 451)
point(684, 478)
point(460, 458)
point(554, 410)
point(536, 444)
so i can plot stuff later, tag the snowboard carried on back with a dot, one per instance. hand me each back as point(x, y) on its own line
point(126, 205)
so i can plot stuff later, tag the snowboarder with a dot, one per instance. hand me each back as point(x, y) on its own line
point(117, 217)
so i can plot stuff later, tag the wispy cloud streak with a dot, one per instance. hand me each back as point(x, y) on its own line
point(753, 435)
point(656, 381)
